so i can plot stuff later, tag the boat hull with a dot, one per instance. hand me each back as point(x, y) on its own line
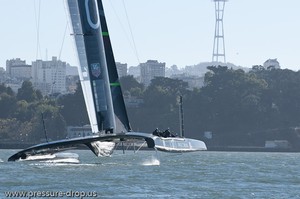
point(178, 145)
point(169, 144)
point(51, 148)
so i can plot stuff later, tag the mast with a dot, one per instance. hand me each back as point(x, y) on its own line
point(181, 116)
point(44, 127)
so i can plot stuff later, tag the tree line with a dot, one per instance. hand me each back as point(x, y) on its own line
point(238, 107)
point(21, 115)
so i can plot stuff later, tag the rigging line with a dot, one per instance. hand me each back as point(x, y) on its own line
point(135, 49)
point(60, 52)
point(56, 69)
point(65, 32)
point(63, 41)
point(44, 127)
point(69, 27)
point(37, 24)
point(55, 76)
point(127, 37)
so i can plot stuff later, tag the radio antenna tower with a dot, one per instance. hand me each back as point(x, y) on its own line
point(219, 43)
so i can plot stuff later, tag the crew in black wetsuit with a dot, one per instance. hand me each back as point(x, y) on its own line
point(156, 132)
point(167, 133)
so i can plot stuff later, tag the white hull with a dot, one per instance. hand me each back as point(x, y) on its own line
point(178, 145)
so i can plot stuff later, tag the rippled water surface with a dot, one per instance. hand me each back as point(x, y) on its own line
point(147, 174)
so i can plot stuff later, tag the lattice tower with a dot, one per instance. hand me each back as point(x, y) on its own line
point(219, 42)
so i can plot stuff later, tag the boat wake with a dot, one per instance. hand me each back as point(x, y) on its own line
point(65, 158)
point(52, 164)
point(37, 158)
point(151, 162)
point(63, 161)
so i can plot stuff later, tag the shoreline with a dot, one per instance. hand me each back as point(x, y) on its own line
point(250, 149)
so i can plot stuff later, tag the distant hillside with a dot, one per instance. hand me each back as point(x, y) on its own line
point(201, 68)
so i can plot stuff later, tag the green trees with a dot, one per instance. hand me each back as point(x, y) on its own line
point(160, 108)
point(73, 108)
point(7, 105)
point(7, 101)
point(27, 93)
point(129, 82)
point(236, 104)
point(240, 108)
point(55, 125)
point(282, 96)
point(235, 98)
point(130, 86)
point(20, 115)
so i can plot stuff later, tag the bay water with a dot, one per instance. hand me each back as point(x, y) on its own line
point(148, 174)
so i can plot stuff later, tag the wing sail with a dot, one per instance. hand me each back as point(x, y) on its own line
point(121, 117)
point(93, 71)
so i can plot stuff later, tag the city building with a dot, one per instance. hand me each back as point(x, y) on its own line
point(79, 131)
point(2, 75)
point(173, 70)
point(71, 70)
point(150, 70)
point(22, 72)
point(135, 71)
point(271, 64)
point(12, 63)
point(122, 69)
point(49, 76)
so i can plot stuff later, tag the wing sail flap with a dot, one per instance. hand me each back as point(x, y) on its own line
point(122, 121)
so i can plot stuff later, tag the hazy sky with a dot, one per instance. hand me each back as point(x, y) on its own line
point(173, 31)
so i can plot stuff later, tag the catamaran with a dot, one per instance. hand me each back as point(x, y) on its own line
point(102, 93)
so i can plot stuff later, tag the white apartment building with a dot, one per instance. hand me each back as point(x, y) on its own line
point(20, 71)
point(49, 76)
point(14, 63)
point(150, 70)
point(135, 71)
point(122, 69)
